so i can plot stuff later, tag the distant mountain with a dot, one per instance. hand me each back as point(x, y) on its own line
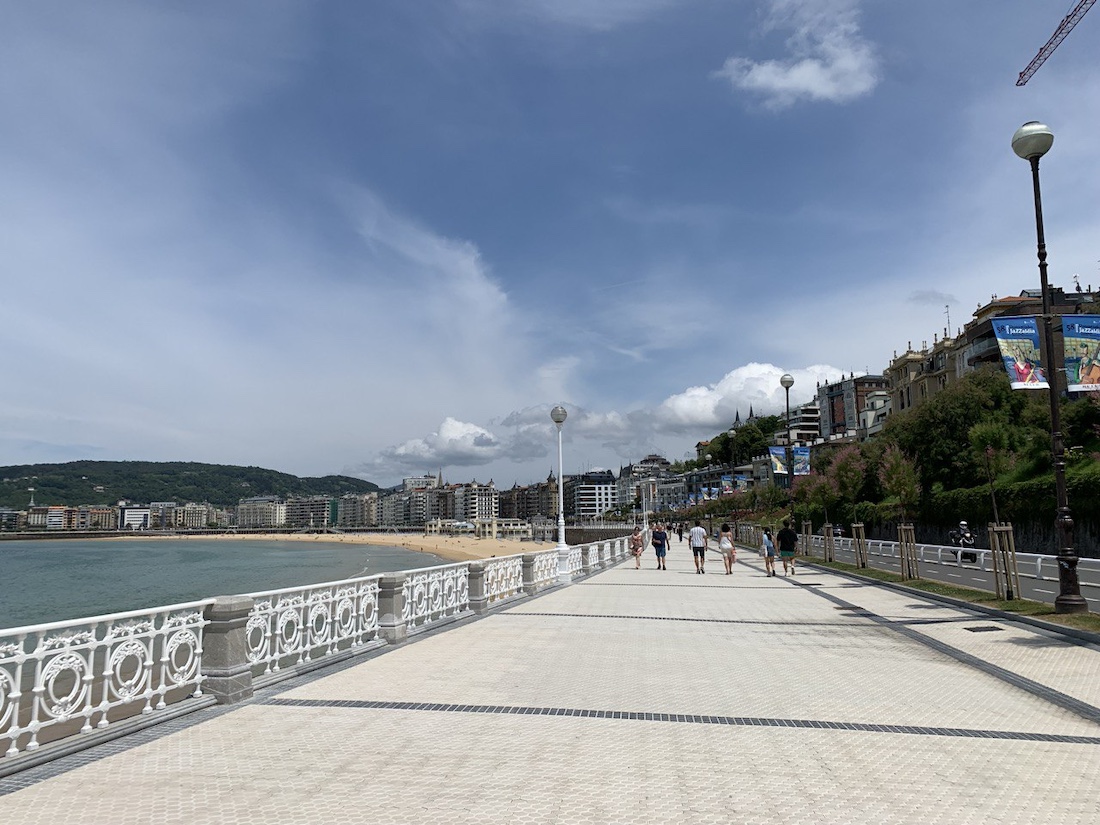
point(107, 482)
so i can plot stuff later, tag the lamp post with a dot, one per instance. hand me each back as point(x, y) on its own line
point(1031, 142)
point(787, 381)
point(558, 416)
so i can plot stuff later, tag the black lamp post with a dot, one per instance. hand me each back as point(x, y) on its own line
point(1031, 142)
point(787, 381)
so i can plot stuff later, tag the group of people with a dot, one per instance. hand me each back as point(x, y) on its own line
point(783, 545)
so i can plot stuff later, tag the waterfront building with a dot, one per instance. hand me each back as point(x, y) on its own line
point(475, 501)
point(422, 482)
point(131, 517)
point(261, 511)
point(357, 510)
point(310, 511)
point(590, 494)
point(36, 517)
point(875, 412)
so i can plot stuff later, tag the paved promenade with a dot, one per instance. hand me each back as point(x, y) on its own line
point(636, 696)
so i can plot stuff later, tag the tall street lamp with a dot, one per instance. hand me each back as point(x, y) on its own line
point(1031, 142)
point(787, 381)
point(558, 416)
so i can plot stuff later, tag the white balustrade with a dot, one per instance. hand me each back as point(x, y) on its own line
point(292, 625)
point(546, 568)
point(434, 593)
point(78, 672)
point(503, 578)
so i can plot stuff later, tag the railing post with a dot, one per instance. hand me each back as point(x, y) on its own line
point(565, 576)
point(587, 561)
point(227, 673)
point(479, 601)
point(530, 586)
point(391, 609)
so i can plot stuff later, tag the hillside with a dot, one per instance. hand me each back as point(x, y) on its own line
point(107, 482)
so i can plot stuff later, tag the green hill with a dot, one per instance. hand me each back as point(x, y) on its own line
point(107, 482)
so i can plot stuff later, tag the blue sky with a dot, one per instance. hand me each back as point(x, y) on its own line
point(384, 238)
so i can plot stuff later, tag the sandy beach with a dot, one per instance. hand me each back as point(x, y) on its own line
point(454, 548)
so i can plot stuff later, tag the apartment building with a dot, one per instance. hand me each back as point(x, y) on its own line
point(311, 511)
point(590, 494)
point(261, 511)
point(840, 403)
point(475, 501)
point(357, 510)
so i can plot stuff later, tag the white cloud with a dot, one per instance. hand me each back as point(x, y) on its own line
point(828, 60)
point(713, 407)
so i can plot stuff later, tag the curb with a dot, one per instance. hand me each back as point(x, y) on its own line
point(1086, 636)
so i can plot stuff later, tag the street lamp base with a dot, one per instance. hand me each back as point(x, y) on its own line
point(1071, 604)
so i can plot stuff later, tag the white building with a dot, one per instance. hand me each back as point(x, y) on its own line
point(357, 510)
point(261, 511)
point(475, 501)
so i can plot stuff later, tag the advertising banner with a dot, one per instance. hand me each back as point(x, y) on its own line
point(1018, 339)
point(779, 460)
point(742, 483)
point(1081, 345)
point(801, 456)
point(727, 485)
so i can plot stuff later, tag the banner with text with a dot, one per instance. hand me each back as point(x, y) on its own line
point(1081, 345)
point(1018, 339)
point(778, 456)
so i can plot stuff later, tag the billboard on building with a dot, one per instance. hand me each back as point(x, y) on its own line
point(1081, 345)
point(1018, 339)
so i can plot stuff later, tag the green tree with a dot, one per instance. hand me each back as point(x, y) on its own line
point(900, 480)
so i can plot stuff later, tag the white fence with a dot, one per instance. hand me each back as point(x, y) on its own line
point(66, 678)
point(1038, 572)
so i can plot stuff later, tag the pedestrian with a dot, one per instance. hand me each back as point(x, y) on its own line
point(680, 531)
point(659, 540)
point(637, 544)
point(788, 543)
point(727, 549)
point(698, 540)
point(767, 547)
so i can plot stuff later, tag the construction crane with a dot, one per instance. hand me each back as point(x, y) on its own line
point(1064, 28)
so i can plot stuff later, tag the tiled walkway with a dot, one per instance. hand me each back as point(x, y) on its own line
point(637, 696)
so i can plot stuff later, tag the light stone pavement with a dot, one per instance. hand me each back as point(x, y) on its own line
point(637, 696)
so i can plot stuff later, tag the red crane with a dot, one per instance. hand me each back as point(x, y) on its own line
point(1064, 28)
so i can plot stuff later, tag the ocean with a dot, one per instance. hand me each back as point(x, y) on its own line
point(48, 581)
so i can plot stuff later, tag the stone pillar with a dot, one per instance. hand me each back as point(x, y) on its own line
point(564, 575)
point(479, 599)
point(225, 667)
point(588, 561)
point(530, 586)
point(391, 609)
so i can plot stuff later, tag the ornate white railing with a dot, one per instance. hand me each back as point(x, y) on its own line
point(546, 568)
point(503, 577)
point(79, 672)
point(292, 625)
point(78, 676)
point(433, 593)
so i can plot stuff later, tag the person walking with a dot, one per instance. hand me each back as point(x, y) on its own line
point(637, 544)
point(788, 544)
point(767, 547)
point(726, 548)
point(697, 537)
point(660, 545)
point(680, 531)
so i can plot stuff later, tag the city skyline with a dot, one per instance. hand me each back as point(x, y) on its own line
point(383, 240)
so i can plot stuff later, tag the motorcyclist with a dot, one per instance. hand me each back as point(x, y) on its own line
point(962, 537)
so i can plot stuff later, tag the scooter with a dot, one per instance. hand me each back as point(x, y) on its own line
point(963, 538)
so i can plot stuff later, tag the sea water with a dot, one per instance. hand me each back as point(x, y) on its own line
point(53, 580)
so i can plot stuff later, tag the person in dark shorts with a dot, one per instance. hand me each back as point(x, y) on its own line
point(659, 541)
point(698, 540)
point(788, 544)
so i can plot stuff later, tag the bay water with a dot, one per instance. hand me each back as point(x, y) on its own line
point(53, 580)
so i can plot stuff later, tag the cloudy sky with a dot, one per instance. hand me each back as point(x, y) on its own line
point(386, 238)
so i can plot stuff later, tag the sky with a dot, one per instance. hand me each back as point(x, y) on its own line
point(385, 239)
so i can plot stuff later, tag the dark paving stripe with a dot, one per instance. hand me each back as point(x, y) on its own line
point(684, 718)
point(850, 625)
point(1040, 691)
